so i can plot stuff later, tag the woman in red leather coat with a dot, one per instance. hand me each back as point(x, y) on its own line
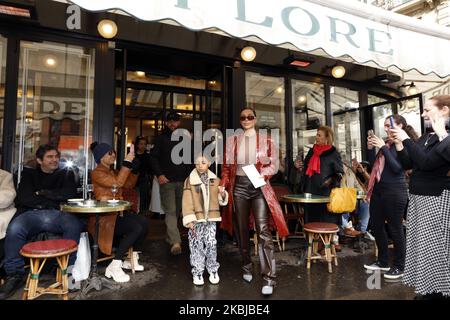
point(246, 148)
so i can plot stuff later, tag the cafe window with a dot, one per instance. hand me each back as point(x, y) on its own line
point(3, 43)
point(54, 104)
point(265, 95)
point(308, 103)
point(346, 125)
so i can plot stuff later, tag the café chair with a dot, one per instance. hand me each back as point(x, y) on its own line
point(39, 252)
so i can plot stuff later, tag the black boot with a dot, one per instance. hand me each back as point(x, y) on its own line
point(12, 284)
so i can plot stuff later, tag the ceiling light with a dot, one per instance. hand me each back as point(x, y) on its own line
point(140, 73)
point(50, 61)
point(248, 54)
point(15, 11)
point(302, 99)
point(412, 90)
point(338, 71)
point(280, 89)
point(107, 28)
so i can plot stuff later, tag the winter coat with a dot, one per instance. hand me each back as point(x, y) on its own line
point(267, 166)
point(330, 167)
point(7, 196)
point(102, 179)
point(197, 207)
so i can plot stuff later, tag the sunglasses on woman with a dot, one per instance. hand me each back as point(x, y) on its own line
point(249, 118)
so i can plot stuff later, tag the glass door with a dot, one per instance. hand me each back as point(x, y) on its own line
point(55, 104)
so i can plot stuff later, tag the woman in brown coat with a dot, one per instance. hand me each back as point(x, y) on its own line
point(131, 228)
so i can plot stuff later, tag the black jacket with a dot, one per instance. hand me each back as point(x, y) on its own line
point(53, 188)
point(161, 161)
point(330, 167)
point(430, 161)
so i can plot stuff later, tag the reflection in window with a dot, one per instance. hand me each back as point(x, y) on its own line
point(346, 126)
point(308, 114)
point(55, 102)
point(3, 42)
point(266, 95)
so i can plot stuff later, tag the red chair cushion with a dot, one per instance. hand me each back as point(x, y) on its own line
point(48, 246)
point(321, 227)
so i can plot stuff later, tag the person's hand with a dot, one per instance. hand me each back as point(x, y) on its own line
point(398, 133)
point(222, 191)
point(377, 141)
point(298, 164)
point(130, 156)
point(162, 179)
point(438, 124)
point(327, 183)
point(191, 225)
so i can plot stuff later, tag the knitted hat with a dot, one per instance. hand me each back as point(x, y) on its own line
point(99, 150)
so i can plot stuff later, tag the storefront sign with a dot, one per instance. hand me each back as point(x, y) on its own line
point(303, 24)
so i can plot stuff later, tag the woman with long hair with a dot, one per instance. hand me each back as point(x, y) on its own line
point(428, 218)
point(388, 197)
point(252, 148)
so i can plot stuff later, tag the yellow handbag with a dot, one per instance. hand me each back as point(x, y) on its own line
point(342, 199)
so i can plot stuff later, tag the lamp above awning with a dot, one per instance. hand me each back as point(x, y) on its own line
point(345, 30)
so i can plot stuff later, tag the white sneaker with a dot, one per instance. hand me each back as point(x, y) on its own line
point(369, 236)
point(137, 267)
point(214, 278)
point(198, 280)
point(114, 270)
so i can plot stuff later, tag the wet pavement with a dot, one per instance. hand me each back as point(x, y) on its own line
point(168, 277)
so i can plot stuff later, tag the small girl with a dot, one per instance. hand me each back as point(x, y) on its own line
point(201, 200)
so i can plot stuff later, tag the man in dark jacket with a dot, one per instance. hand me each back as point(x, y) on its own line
point(170, 178)
point(39, 195)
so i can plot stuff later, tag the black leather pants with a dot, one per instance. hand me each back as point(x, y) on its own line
point(246, 197)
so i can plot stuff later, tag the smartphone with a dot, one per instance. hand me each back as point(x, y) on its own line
point(299, 157)
point(370, 133)
point(391, 119)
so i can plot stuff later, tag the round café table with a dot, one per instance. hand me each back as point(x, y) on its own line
point(94, 281)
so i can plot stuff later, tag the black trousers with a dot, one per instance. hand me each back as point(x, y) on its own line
point(246, 197)
point(387, 205)
point(131, 230)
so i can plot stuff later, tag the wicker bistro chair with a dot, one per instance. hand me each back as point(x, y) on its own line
point(320, 231)
point(39, 252)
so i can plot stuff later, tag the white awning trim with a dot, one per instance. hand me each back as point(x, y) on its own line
point(367, 34)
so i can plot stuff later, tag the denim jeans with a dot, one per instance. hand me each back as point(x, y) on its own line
point(31, 223)
point(362, 211)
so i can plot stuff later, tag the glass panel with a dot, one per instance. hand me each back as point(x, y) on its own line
point(347, 136)
point(371, 99)
point(308, 101)
point(168, 80)
point(266, 95)
point(182, 101)
point(3, 43)
point(410, 110)
point(55, 103)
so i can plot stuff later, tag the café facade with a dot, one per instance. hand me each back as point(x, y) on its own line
point(79, 71)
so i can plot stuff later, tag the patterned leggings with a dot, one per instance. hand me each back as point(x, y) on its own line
point(203, 246)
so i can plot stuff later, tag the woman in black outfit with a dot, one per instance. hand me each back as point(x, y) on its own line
point(323, 171)
point(428, 228)
point(143, 183)
point(388, 196)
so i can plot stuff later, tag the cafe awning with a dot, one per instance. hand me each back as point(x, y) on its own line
point(344, 30)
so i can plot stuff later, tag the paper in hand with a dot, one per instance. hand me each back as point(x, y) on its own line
point(254, 176)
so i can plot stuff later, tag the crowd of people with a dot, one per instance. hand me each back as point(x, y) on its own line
point(421, 250)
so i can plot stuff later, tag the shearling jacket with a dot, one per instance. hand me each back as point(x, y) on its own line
point(197, 205)
point(7, 195)
point(102, 179)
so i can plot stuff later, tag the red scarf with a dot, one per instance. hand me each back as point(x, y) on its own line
point(377, 171)
point(314, 162)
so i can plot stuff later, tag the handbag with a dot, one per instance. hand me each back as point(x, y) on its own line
point(342, 199)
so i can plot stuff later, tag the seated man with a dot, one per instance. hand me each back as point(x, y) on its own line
point(39, 195)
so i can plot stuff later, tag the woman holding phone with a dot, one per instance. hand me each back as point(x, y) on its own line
point(428, 237)
point(388, 197)
point(243, 149)
point(130, 228)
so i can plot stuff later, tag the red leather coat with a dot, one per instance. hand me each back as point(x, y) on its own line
point(266, 164)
